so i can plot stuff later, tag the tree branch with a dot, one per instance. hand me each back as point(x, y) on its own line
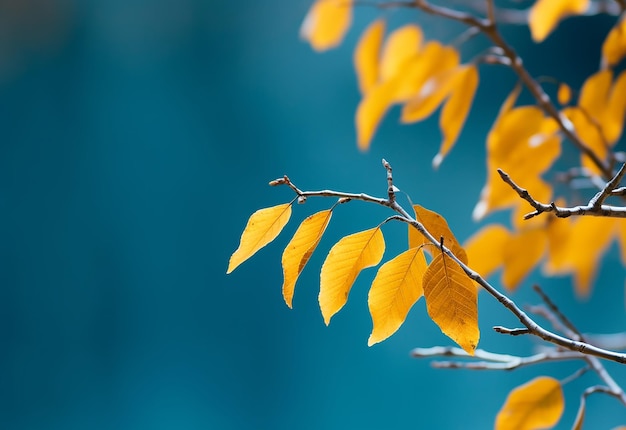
point(593, 208)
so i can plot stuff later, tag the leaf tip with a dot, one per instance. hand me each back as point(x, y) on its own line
point(437, 160)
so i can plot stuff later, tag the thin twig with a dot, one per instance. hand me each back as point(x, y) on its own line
point(533, 328)
point(593, 208)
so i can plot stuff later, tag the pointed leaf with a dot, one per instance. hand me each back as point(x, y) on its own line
point(402, 44)
point(522, 252)
point(431, 95)
point(594, 94)
point(545, 15)
point(396, 288)
point(371, 110)
point(614, 46)
point(366, 55)
point(343, 264)
point(485, 249)
point(438, 227)
point(263, 226)
point(451, 301)
point(615, 113)
point(300, 249)
point(537, 404)
point(326, 23)
point(433, 59)
point(456, 109)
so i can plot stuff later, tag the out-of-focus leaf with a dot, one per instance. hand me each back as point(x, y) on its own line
point(538, 404)
point(594, 95)
point(452, 301)
point(326, 23)
point(434, 91)
point(485, 248)
point(564, 94)
point(613, 123)
point(433, 59)
point(614, 46)
point(456, 109)
point(438, 227)
point(263, 226)
point(524, 144)
point(366, 55)
point(401, 44)
point(546, 14)
point(590, 132)
point(343, 264)
point(587, 241)
point(521, 253)
point(371, 110)
point(396, 288)
point(300, 249)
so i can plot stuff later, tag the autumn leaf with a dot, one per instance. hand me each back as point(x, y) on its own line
point(564, 94)
point(431, 95)
point(614, 46)
point(451, 301)
point(521, 252)
point(437, 226)
point(485, 248)
point(371, 110)
point(401, 45)
point(615, 113)
point(587, 240)
point(395, 289)
point(263, 226)
point(366, 55)
point(524, 143)
point(343, 264)
point(537, 404)
point(545, 15)
point(326, 23)
point(300, 249)
point(456, 109)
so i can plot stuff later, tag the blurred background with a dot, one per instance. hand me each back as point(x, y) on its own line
point(136, 138)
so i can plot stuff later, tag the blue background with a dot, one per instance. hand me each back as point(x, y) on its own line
point(136, 139)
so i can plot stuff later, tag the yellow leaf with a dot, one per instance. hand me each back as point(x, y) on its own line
point(524, 144)
point(396, 288)
point(588, 239)
point(300, 249)
point(438, 227)
point(456, 109)
point(451, 301)
point(263, 226)
point(614, 46)
point(366, 55)
point(371, 110)
point(522, 252)
point(326, 23)
point(613, 123)
point(401, 45)
point(431, 95)
point(343, 264)
point(589, 131)
point(545, 15)
point(564, 94)
point(537, 404)
point(485, 248)
point(434, 58)
point(595, 93)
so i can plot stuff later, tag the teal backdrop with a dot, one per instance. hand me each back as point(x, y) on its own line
point(136, 137)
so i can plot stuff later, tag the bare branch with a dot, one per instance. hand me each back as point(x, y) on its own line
point(491, 361)
point(593, 208)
